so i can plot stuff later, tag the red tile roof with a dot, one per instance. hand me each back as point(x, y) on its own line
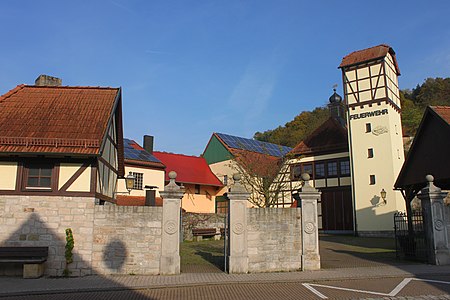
point(55, 119)
point(124, 200)
point(369, 54)
point(190, 169)
point(443, 112)
point(331, 136)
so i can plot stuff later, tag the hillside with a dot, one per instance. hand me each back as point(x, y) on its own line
point(433, 91)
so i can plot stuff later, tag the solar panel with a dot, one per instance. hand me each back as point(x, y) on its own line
point(131, 152)
point(236, 142)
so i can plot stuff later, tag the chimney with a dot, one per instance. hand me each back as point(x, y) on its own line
point(45, 80)
point(148, 143)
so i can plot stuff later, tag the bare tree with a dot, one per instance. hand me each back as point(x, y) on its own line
point(262, 175)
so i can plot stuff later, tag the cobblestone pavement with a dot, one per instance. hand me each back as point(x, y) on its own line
point(346, 274)
point(336, 289)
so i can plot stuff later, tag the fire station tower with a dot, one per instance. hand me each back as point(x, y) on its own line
point(372, 100)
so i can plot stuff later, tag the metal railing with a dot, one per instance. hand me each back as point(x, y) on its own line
point(410, 243)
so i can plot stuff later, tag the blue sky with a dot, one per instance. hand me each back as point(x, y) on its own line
point(191, 68)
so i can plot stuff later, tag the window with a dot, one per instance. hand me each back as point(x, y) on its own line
point(319, 170)
point(370, 152)
point(38, 176)
point(344, 167)
point(221, 204)
point(138, 179)
point(225, 179)
point(308, 168)
point(296, 172)
point(372, 179)
point(197, 189)
point(332, 169)
point(368, 127)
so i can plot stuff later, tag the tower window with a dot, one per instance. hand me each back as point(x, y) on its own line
point(197, 189)
point(225, 179)
point(372, 179)
point(370, 152)
point(368, 127)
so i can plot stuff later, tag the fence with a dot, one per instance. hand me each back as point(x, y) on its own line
point(410, 243)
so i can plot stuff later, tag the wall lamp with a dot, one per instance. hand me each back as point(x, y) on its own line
point(383, 195)
point(129, 183)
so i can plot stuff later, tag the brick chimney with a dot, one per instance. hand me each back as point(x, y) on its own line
point(45, 80)
point(148, 143)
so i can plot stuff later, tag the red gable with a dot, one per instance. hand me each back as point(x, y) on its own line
point(443, 112)
point(190, 169)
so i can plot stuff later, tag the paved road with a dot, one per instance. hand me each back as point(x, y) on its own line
point(433, 287)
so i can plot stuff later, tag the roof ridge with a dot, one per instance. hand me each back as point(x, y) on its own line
point(252, 139)
point(12, 92)
point(70, 87)
point(165, 152)
point(365, 49)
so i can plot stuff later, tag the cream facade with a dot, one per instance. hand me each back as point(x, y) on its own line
point(200, 199)
point(150, 177)
point(375, 139)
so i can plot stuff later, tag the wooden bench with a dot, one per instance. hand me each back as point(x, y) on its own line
point(199, 233)
point(32, 258)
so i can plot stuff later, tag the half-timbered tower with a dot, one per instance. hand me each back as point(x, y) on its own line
point(61, 141)
point(375, 135)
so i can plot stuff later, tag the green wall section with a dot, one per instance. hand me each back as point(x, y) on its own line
point(216, 152)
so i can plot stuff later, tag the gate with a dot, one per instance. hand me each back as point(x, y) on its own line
point(410, 243)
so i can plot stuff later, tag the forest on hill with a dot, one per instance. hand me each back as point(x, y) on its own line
point(433, 91)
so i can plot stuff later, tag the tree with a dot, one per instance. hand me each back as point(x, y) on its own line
point(261, 175)
point(296, 130)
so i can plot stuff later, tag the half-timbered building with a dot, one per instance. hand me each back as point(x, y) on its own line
point(61, 141)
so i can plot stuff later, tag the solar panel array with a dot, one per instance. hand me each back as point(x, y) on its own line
point(137, 154)
point(253, 145)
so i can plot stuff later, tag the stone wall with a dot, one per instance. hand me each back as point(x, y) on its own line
point(197, 220)
point(42, 221)
point(128, 238)
point(274, 239)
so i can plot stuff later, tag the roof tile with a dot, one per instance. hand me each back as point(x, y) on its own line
point(369, 54)
point(189, 169)
point(49, 119)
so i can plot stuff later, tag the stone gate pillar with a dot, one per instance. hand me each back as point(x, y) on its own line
point(432, 199)
point(310, 231)
point(238, 254)
point(170, 243)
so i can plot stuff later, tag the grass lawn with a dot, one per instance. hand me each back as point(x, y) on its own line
point(204, 252)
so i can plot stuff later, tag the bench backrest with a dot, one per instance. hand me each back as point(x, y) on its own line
point(23, 251)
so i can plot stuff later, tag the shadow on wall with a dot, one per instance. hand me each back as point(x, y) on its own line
point(114, 255)
point(34, 232)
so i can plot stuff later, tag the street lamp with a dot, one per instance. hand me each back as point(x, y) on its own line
point(129, 182)
point(383, 195)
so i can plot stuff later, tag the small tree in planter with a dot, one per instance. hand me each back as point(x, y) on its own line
point(68, 253)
